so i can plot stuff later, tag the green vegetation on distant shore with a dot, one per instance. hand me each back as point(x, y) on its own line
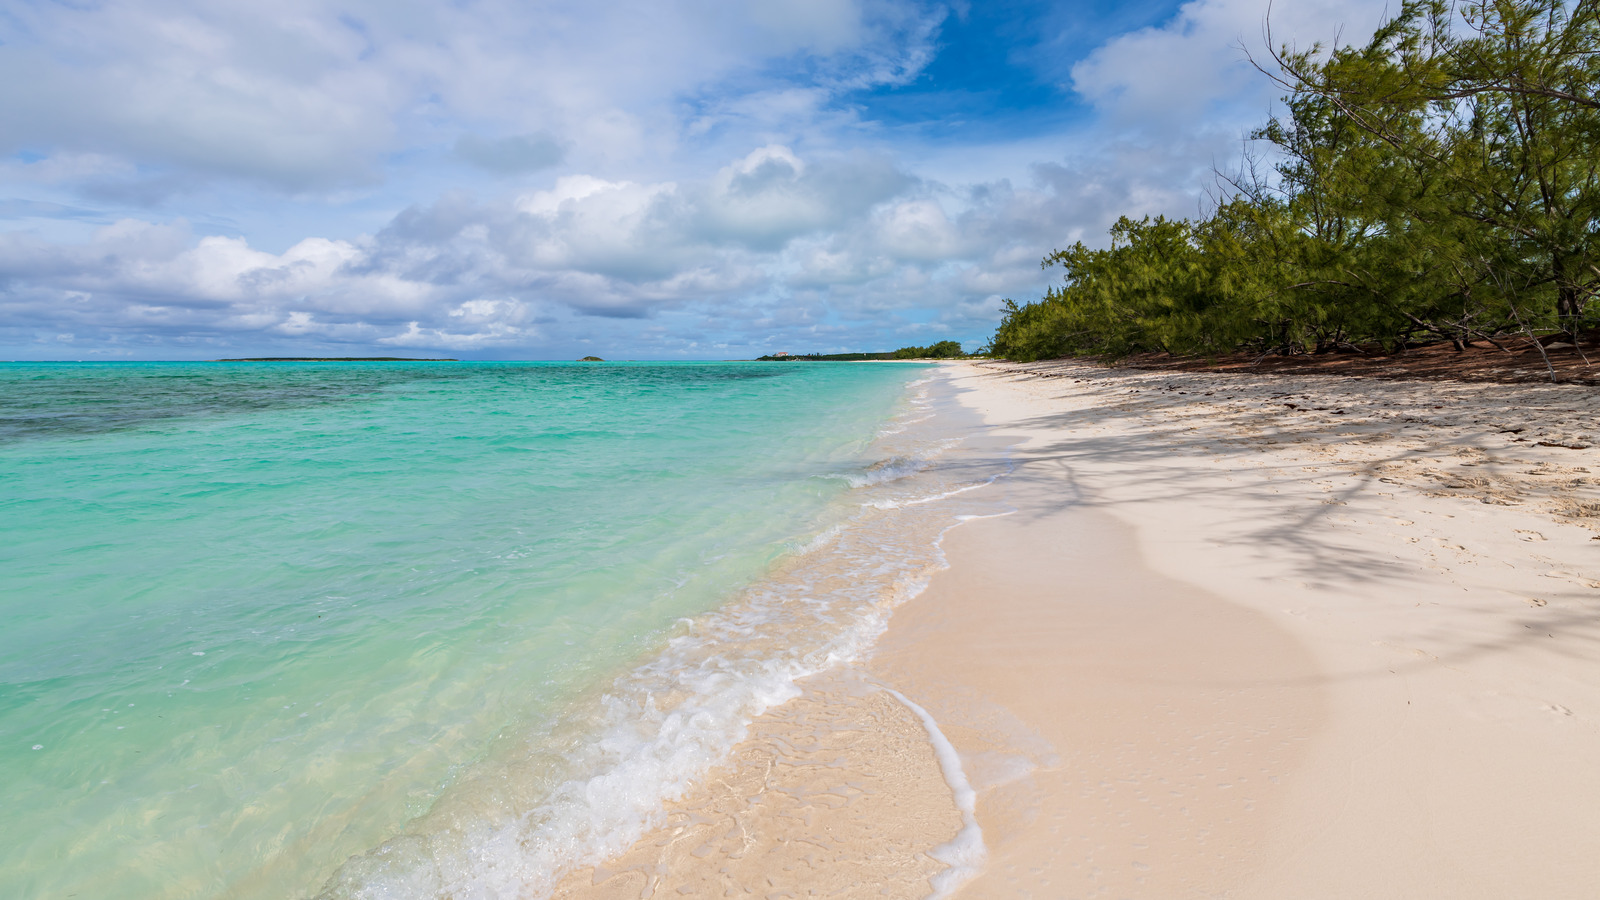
point(332, 359)
point(1440, 183)
point(941, 350)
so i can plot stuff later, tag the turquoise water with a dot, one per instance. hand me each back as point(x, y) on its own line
point(257, 617)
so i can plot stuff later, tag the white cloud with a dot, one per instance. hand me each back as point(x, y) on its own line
point(1176, 75)
point(304, 95)
point(246, 91)
point(666, 171)
point(851, 235)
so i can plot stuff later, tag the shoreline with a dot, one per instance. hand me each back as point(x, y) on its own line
point(844, 784)
point(1429, 549)
point(1265, 636)
point(1128, 733)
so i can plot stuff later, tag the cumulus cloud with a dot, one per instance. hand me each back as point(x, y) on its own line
point(240, 91)
point(853, 237)
point(303, 95)
point(676, 178)
point(1187, 70)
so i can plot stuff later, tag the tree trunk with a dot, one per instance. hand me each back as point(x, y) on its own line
point(1569, 299)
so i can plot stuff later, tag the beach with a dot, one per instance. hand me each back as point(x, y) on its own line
point(1215, 635)
point(891, 449)
point(410, 630)
point(835, 629)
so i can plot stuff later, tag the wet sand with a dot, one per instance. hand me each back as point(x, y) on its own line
point(842, 769)
point(1130, 735)
point(1244, 636)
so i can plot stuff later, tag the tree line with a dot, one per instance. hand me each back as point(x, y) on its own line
point(938, 350)
point(1440, 182)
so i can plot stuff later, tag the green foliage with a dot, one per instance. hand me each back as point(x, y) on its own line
point(1432, 184)
point(941, 350)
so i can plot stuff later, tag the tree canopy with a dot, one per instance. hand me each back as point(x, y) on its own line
point(1440, 182)
point(940, 350)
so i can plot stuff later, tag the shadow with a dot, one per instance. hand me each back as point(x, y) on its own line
point(1250, 414)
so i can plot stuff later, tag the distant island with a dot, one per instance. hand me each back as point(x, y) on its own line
point(331, 359)
point(591, 359)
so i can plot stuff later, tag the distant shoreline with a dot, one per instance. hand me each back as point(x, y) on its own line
point(331, 359)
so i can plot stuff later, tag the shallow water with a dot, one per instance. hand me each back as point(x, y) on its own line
point(614, 764)
point(258, 619)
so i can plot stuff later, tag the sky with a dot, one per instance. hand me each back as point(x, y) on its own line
point(660, 179)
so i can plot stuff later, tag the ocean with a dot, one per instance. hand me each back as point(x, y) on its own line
point(413, 630)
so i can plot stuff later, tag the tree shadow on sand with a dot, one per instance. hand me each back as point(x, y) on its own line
point(1162, 461)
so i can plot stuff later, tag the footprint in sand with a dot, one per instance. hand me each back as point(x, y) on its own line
point(1556, 708)
point(1536, 601)
point(1529, 535)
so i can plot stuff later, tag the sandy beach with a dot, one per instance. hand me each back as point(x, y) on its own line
point(1239, 635)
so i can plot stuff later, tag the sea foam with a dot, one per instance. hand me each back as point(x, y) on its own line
point(397, 612)
point(646, 739)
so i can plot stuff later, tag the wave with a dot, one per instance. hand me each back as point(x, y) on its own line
point(887, 470)
point(591, 785)
point(964, 854)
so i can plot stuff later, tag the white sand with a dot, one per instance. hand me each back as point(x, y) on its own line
point(1444, 743)
point(1244, 636)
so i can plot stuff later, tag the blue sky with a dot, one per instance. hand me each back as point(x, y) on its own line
point(639, 180)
